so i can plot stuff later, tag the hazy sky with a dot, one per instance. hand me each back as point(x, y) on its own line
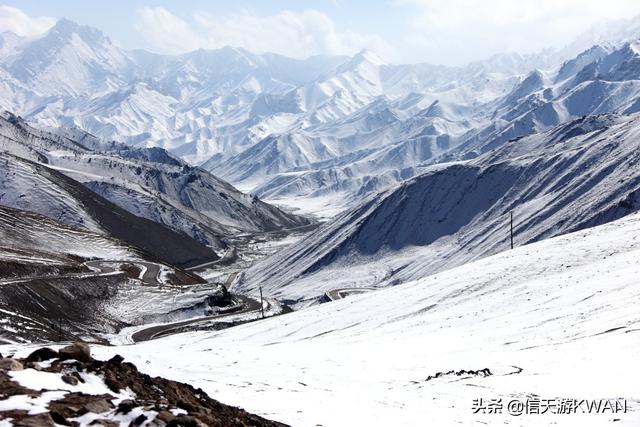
point(436, 31)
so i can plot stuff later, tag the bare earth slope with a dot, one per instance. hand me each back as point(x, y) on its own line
point(35, 187)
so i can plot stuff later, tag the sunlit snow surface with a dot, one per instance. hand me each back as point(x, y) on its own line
point(563, 310)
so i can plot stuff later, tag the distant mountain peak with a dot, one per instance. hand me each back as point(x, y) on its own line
point(363, 59)
point(65, 25)
point(613, 33)
point(64, 29)
point(365, 55)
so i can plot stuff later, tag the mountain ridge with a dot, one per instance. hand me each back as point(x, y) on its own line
point(286, 129)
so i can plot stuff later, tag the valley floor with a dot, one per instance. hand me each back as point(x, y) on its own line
point(556, 319)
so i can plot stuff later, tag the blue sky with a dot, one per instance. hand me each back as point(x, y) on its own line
point(437, 31)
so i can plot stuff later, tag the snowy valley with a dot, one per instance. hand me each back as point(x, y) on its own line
point(330, 241)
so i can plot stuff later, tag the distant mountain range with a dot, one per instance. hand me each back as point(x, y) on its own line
point(318, 133)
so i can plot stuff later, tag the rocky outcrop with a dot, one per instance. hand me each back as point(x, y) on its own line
point(134, 398)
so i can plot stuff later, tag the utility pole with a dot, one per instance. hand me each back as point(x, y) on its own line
point(261, 303)
point(511, 215)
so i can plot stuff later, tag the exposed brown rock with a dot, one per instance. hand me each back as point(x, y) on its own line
point(70, 379)
point(126, 406)
point(138, 421)
point(104, 423)
point(78, 351)
point(8, 387)
point(116, 360)
point(40, 420)
point(186, 421)
point(76, 404)
point(7, 364)
point(99, 406)
point(165, 416)
point(32, 365)
point(151, 394)
point(58, 418)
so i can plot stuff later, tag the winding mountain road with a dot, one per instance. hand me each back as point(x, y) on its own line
point(285, 231)
point(149, 273)
point(244, 305)
point(61, 276)
point(229, 257)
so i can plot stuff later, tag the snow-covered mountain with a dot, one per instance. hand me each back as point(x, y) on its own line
point(365, 126)
point(33, 187)
point(389, 140)
point(485, 232)
point(75, 76)
point(600, 80)
point(319, 133)
point(233, 106)
point(148, 182)
point(69, 60)
point(574, 176)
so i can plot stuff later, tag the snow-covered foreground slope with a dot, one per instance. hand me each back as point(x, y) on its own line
point(553, 319)
point(574, 176)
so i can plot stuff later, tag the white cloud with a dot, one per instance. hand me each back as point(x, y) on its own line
point(166, 31)
point(295, 34)
point(15, 20)
point(459, 30)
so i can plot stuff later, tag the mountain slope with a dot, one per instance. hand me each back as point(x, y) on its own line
point(603, 79)
point(36, 243)
point(75, 76)
point(147, 182)
point(60, 282)
point(573, 177)
point(31, 186)
point(224, 101)
point(45, 281)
